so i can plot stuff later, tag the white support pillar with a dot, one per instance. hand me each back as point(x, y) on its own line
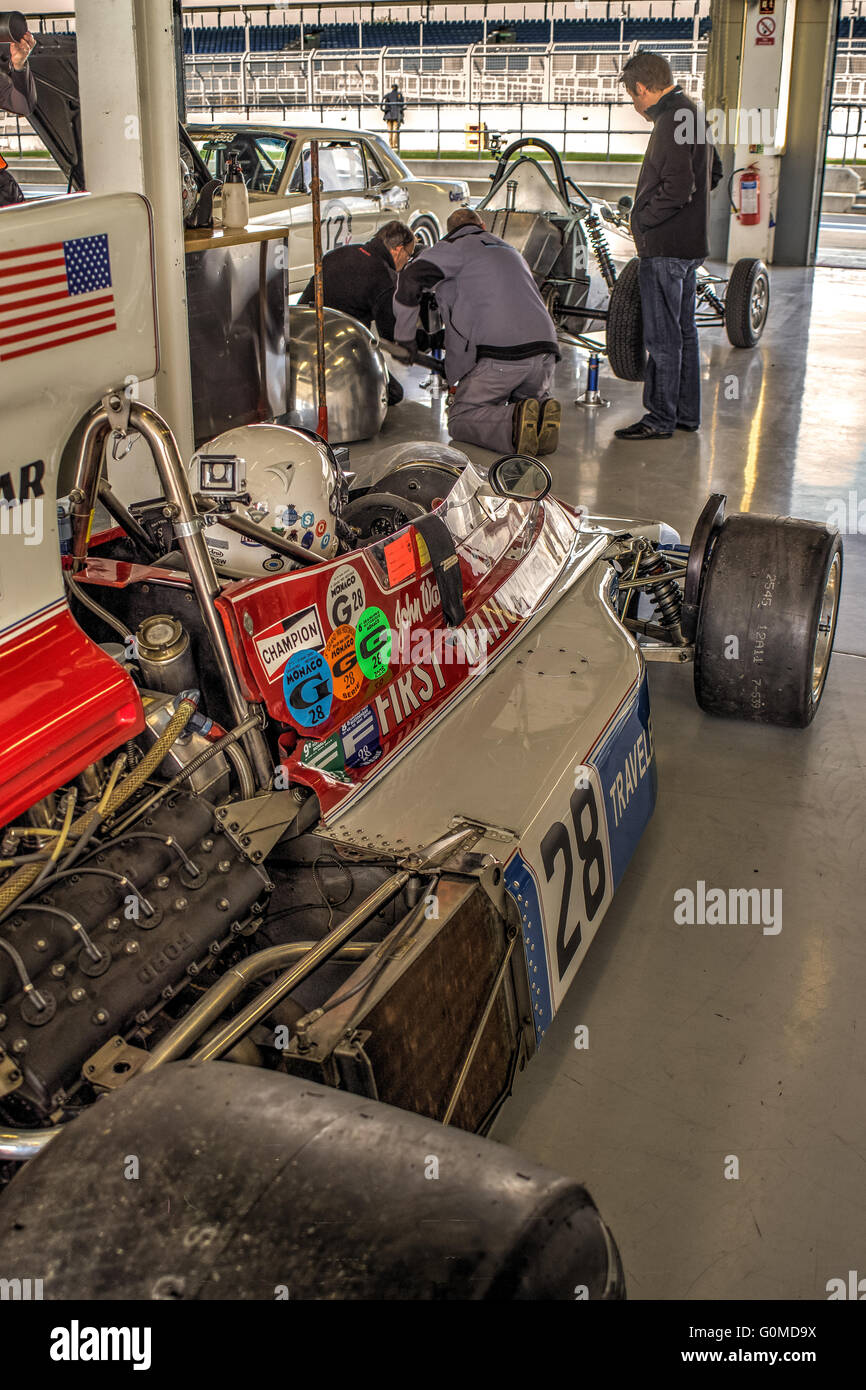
point(762, 114)
point(129, 124)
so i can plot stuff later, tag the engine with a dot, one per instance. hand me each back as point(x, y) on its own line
point(112, 940)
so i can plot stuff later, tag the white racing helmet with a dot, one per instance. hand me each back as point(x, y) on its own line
point(280, 478)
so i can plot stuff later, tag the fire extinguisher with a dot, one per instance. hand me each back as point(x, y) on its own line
point(749, 210)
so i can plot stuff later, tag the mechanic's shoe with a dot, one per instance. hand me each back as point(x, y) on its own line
point(524, 432)
point(690, 429)
point(548, 426)
point(641, 431)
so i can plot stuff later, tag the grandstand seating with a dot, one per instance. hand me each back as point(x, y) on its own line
point(274, 38)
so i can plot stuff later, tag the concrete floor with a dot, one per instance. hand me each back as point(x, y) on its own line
point(707, 1042)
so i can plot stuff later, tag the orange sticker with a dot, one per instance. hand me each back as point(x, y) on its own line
point(341, 657)
point(400, 558)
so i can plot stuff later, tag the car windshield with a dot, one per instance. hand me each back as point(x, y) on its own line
point(262, 155)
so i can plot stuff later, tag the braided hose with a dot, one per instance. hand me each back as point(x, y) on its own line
point(12, 889)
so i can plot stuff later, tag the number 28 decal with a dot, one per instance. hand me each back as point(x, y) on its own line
point(576, 865)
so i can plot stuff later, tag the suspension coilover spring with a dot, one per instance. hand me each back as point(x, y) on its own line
point(601, 250)
point(710, 297)
point(666, 596)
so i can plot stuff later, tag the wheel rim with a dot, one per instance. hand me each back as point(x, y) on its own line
point(424, 234)
point(826, 628)
point(758, 302)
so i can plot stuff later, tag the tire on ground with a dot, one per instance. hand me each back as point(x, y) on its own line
point(625, 349)
point(767, 619)
point(426, 230)
point(745, 276)
point(257, 1185)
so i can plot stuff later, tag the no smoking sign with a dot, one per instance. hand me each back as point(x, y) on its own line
point(765, 33)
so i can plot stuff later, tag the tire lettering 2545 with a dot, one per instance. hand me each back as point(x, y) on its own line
point(584, 826)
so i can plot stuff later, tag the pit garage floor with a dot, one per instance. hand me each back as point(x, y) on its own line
point(713, 1042)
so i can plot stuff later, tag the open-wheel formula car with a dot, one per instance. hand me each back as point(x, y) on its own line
point(313, 801)
point(582, 255)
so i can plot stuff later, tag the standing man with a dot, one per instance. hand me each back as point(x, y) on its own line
point(669, 225)
point(500, 341)
point(18, 95)
point(360, 280)
point(394, 111)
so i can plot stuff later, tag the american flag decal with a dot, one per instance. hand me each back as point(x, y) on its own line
point(54, 294)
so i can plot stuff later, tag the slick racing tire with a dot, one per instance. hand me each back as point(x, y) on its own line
point(747, 302)
point(625, 349)
point(767, 619)
point(256, 1185)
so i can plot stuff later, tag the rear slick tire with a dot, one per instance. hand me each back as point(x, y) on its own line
point(767, 619)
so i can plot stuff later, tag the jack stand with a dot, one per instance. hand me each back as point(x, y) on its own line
point(590, 396)
point(435, 383)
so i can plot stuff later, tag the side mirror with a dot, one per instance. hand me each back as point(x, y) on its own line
point(521, 477)
point(625, 203)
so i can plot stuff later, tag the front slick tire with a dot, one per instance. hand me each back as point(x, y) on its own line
point(767, 619)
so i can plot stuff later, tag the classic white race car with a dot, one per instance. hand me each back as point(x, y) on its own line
point(312, 804)
point(364, 184)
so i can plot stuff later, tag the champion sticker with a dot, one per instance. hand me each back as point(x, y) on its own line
point(301, 632)
point(308, 688)
point(373, 643)
point(346, 597)
point(342, 658)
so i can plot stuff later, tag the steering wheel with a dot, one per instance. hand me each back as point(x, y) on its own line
point(380, 514)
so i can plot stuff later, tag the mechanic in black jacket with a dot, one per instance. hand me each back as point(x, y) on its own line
point(669, 224)
point(360, 281)
point(18, 95)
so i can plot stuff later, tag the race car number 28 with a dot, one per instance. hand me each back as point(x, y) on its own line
point(576, 886)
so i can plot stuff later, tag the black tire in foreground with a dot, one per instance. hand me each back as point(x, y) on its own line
point(767, 619)
point(625, 349)
point(747, 302)
point(251, 1184)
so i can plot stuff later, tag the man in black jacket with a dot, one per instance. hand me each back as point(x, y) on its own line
point(669, 225)
point(394, 111)
point(360, 281)
point(18, 95)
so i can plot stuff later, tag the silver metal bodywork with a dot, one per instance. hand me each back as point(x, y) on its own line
point(355, 374)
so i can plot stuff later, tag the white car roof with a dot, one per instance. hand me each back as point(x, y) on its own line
point(279, 128)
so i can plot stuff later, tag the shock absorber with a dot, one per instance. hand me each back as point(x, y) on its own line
point(600, 248)
point(665, 594)
point(713, 300)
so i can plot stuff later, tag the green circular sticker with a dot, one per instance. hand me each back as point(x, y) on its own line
point(373, 643)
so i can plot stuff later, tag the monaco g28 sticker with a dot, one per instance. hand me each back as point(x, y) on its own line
point(346, 597)
point(342, 658)
point(308, 688)
point(373, 643)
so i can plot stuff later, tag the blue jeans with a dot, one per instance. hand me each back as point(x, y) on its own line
point(672, 381)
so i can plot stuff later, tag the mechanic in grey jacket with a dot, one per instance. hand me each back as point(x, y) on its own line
point(500, 341)
point(18, 95)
